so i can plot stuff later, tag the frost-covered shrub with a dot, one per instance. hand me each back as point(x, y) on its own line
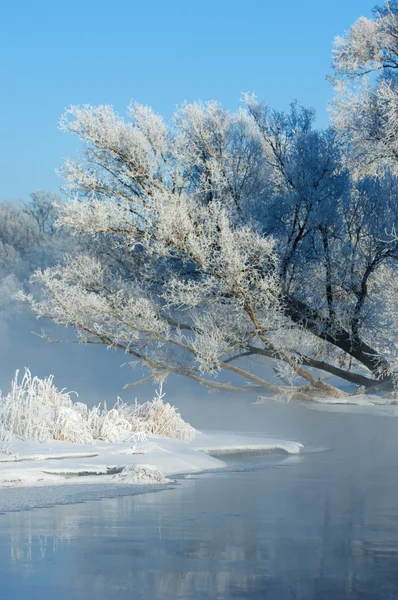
point(161, 418)
point(141, 474)
point(36, 410)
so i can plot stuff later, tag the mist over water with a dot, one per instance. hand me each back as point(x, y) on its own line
point(319, 525)
point(94, 372)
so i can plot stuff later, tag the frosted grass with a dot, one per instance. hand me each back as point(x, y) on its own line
point(35, 410)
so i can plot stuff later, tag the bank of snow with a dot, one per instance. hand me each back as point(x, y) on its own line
point(353, 404)
point(154, 460)
point(368, 405)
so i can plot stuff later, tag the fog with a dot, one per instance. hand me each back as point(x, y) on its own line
point(95, 373)
point(99, 374)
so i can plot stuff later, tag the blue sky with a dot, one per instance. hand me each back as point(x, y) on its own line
point(158, 52)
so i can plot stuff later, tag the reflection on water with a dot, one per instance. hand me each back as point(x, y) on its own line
point(321, 527)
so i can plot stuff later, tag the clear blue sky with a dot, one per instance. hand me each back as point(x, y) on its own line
point(159, 52)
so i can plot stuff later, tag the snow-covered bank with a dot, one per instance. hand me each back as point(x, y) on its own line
point(47, 438)
point(149, 461)
point(363, 407)
point(224, 444)
point(359, 404)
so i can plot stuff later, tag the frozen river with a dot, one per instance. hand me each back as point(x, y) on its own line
point(323, 525)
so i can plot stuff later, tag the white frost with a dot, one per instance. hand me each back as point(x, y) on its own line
point(36, 410)
point(141, 474)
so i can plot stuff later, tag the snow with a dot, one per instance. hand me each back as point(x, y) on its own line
point(222, 444)
point(363, 406)
point(359, 404)
point(153, 460)
point(141, 474)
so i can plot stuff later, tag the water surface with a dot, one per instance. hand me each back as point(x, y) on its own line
point(320, 526)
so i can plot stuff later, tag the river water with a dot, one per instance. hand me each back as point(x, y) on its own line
point(323, 525)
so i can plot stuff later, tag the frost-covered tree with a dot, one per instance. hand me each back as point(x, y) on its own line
point(42, 210)
point(332, 237)
point(221, 238)
point(28, 237)
point(28, 240)
point(365, 77)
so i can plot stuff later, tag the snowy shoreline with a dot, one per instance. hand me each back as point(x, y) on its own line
point(48, 441)
point(359, 404)
point(153, 460)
